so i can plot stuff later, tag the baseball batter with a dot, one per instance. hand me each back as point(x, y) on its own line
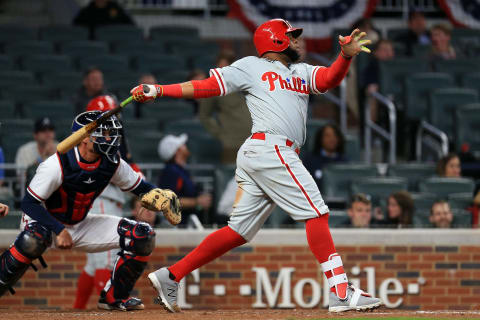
point(269, 171)
point(58, 200)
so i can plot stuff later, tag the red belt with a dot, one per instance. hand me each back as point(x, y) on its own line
point(261, 136)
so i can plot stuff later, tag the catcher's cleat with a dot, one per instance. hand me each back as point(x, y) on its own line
point(356, 299)
point(166, 288)
point(129, 304)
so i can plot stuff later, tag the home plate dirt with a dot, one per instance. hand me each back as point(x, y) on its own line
point(290, 314)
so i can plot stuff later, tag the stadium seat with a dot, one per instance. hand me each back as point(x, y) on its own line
point(414, 172)
point(188, 126)
point(456, 67)
point(8, 108)
point(353, 148)
point(63, 80)
point(204, 148)
point(442, 187)
point(461, 218)
point(79, 49)
point(337, 178)
point(471, 80)
point(138, 48)
point(467, 119)
point(14, 78)
point(423, 202)
point(152, 63)
point(35, 92)
point(444, 102)
point(460, 200)
point(63, 33)
point(421, 51)
point(191, 49)
point(163, 33)
point(379, 187)
point(12, 33)
point(204, 62)
point(47, 63)
point(50, 108)
point(134, 126)
point(313, 126)
point(394, 72)
point(168, 111)
point(23, 48)
point(172, 76)
point(394, 33)
point(6, 63)
point(124, 77)
point(106, 63)
point(11, 220)
point(334, 36)
point(417, 89)
point(144, 145)
point(125, 33)
point(13, 138)
point(338, 219)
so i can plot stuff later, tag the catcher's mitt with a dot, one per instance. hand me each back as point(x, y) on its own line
point(163, 200)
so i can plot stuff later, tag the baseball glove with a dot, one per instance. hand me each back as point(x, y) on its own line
point(163, 200)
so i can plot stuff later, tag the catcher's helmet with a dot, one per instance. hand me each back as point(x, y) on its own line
point(102, 103)
point(272, 36)
point(106, 138)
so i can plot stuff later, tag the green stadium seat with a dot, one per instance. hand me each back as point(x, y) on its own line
point(63, 127)
point(124, 77)
point(137, 126)
point(61, 80)
point(13, 78)
point(28, 93)
point(460, 200)
point(379, 187)
point(79, 49)
point(11, 220)
point(442, 187)
point(188, 126)
point(414, 172)
point(8, 108)
point(394, 33)
point(461, 218)
point(13, 33)
point(472, 81)
point(23, 48)
point(456, 67)
point(204, 149)
point(137, 48)
point(13, 138)
point(47, 63)
point(421, 51)
point(423, 202)
point(313, 126)
point(444, 102)
point(161, 33)
point(417, 89)
point(467, 118)
point(334, 35)
point(338, 219)
point(106, 63)
point(6, 63)
point(394, 72)
point(337, 178)
point(49, 108)
point(124, 33)
point(63, 33)
point(144, 147)
point(168, 111)
point(172, 76)
point(353, 148)
point(191, 49)
point(152, 63)
point(204, 63)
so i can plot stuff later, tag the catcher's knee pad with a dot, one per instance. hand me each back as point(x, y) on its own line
point(30, 244)
point(137, 238)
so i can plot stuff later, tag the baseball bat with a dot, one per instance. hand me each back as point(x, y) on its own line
point(75, 138)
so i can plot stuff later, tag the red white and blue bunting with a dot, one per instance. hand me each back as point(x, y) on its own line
point(462, 13)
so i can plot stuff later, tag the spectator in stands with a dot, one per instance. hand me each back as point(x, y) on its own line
point(173, 150)
point(441, 46)
point(3, 210)
point(360, 211)
point(226, 117)
point(101, 13)
point(329, 148)
point(449, 166)
point(44, 145)
point(93, 86)
point(400, 210)
point(441, 215)
point(416, 34)
point(146, 79)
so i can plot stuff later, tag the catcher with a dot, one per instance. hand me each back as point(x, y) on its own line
point(56, 215)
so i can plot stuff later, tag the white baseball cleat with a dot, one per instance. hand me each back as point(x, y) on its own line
point(356, 299)
point(166, 288)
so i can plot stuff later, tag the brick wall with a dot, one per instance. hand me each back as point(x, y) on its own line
point(451, 274)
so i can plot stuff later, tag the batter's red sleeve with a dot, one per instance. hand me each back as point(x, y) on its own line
point(206, 88)
point(325, 78)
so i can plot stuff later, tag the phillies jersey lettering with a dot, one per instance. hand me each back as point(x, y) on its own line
point(276, 96)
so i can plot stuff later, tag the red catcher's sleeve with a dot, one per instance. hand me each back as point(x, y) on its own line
point(206, 88)
point(330, 77)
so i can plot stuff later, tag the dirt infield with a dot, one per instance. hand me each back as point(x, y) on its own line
point(153, 314)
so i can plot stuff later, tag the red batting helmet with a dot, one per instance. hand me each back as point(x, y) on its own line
point(102, 103)
point(272, 36)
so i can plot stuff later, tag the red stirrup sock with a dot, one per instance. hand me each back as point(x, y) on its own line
point(212, 247)
point(101, 278)
point(84, 290)
point(321, 244)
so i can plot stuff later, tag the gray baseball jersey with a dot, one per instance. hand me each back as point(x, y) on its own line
point(269, 171)
point(276, 96)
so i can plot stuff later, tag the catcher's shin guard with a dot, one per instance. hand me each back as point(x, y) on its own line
point(30, 244)
point(137, 239)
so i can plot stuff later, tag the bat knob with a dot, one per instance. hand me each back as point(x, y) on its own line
point(146, 89)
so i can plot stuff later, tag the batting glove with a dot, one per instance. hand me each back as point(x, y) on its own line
point(146, 92)
point(352, 45)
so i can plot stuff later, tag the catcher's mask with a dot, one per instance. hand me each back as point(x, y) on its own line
point(106, 138)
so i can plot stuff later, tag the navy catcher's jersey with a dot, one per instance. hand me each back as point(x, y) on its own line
point(69, 186)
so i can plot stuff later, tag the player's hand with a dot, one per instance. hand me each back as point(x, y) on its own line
point(352, 45)
point(146, 92)
point(204, 201)
point(64, 240)
point(3, 210)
